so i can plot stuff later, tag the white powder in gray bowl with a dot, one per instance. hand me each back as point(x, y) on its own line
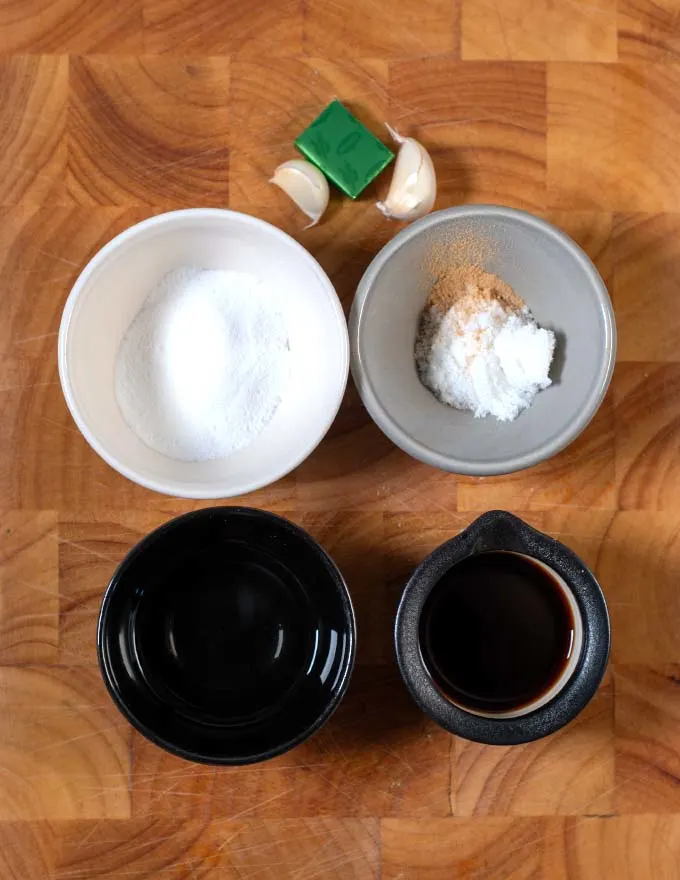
point(479, 348)
point(204, 364)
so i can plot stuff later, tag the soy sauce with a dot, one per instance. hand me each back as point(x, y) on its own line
point(496, 632)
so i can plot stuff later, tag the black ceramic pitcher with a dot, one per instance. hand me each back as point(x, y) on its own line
point(488, 605)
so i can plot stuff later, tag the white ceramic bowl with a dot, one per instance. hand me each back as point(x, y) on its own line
point(107, 296)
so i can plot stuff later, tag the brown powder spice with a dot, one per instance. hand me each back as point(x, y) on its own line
point(466, 244)
point(472, 289)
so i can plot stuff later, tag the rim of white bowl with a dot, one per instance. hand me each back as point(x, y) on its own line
point(181, 489)
point(510, 464)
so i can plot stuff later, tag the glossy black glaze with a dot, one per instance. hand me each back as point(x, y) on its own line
point(227, 636)
point(498, 530)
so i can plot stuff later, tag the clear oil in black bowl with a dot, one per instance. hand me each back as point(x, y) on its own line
point(227, 635)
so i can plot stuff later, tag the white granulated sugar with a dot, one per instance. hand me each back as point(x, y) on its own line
point(204, 364)
point(492, 361)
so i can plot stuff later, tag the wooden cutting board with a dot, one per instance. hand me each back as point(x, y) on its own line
point(113, 111)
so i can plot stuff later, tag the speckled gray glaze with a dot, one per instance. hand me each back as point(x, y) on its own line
point(564, 292)
point(499, 530)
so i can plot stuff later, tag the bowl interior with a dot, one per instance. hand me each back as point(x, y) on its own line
point(227, 635)
point(564, 293)
point(110, 292)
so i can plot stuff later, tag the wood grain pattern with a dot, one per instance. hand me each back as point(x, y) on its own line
point(570, 773)
point(377, 756)
point(294, 849)
point(485, 124)
point(29, 587)
point(564, 849)
point(28, 849)
point(271, 27)
point(625, 847)
point(644, 286)
point(148, 131)
point(612, 132)
point(645, 726)
point(64, 749)
point(42, 26)
point(113, 112)
point(639, 560)
point(646, 440)
point(368, 29)
point(540, 30)
point(33, 100)
point(439, 850)
point(648, 30)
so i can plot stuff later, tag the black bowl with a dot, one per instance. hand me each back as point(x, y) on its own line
point(499, 530)
point(227, 636)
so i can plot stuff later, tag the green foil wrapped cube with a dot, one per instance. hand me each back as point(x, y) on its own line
point(344, 149)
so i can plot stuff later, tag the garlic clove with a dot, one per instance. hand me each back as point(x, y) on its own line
point(413, 188)
point(305, 185)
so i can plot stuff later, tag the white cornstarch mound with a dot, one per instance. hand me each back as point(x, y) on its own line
point(203, 366)
point(479, 348)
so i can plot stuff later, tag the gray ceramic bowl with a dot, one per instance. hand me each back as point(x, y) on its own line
point(564, 292)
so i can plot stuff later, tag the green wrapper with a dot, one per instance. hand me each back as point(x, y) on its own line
point(345, 150)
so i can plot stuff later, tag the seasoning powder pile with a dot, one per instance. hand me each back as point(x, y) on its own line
point(204, 364)
point(478, 347)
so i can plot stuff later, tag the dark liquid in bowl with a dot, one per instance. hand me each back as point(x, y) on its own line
point(496, 632)
point(226, 635)
point(226, 640)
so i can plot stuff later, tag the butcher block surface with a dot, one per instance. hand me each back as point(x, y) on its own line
point(111, 112)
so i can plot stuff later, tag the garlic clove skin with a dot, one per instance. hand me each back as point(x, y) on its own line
point(413, 188)
point(305, 185)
